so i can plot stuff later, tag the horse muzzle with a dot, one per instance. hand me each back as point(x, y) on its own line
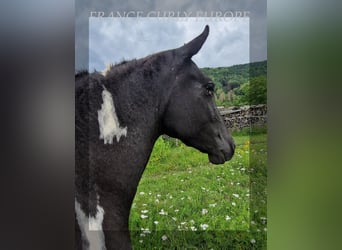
point(221, 156)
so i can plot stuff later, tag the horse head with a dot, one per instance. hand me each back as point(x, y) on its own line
point(191, 114)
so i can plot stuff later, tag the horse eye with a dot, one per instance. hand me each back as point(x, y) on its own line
point(210, 88)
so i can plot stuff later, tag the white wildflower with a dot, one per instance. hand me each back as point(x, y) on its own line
point(204, 211)
point(204, 226)
point(253, 241)
point(234, 204)
point(141, 193)
point(143, 216)
point(228, 217)
point(144, 211)
point(162, 212)
point(164, 237)
point(263, 219)
point(156, 222)
point(236, 195)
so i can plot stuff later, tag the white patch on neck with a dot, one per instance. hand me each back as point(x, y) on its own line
point(108, 120)
point(91, 228)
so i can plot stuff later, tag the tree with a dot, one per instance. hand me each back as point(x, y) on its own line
point(253, 92)
point(258, 90)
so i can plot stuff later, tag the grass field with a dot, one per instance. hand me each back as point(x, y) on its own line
point(185, 202)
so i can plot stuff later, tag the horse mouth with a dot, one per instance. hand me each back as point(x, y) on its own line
point(219, 157)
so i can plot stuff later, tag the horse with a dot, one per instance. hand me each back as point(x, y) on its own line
point(119, 116)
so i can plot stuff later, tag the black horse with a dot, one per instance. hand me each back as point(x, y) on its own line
point(119, 116)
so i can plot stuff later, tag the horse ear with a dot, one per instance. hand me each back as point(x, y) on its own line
point(191, 48)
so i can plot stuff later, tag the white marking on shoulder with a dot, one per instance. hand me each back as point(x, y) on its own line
point(91, 228)
point(108, 120)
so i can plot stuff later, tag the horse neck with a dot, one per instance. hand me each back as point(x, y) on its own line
point(118, 167)
point(140, 105)
point(137, 105)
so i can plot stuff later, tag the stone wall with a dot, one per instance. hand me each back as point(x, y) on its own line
point(244, 116)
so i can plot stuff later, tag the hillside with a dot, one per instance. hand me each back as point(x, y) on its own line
point(239, 84)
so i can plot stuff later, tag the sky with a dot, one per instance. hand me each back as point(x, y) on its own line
point(112, 40)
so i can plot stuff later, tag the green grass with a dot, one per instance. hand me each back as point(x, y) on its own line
point(185, 202)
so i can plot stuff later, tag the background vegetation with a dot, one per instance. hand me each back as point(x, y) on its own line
point(239, 84)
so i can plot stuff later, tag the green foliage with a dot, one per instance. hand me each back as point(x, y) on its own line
point(254, 92)
point(184, 202)
point(240, 84)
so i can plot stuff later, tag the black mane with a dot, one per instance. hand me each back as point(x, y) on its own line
point(136, 69)
point(80, 73)
point(123, 68)
point(149, 66)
